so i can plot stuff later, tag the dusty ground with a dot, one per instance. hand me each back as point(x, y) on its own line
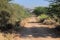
point(34, 31)
point(37, 32)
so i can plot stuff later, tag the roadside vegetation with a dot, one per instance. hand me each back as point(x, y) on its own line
point(12, 14)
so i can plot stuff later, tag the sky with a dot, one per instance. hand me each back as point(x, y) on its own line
point(31, 3)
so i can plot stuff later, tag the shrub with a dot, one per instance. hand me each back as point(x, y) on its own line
point(43, 16)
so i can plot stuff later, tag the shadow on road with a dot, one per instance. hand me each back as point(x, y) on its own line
point(36, 32)
point(39, 32)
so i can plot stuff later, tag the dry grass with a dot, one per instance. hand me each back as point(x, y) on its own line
point(6, 36)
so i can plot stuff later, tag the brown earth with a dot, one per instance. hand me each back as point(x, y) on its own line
point(35, 31)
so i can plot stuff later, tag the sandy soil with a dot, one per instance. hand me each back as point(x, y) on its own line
point(34, 31)
point(37, 32)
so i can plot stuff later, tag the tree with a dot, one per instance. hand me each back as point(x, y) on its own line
point(19, 13)
point(5, 11)
point(54, 9)
point(40, 10)
point(10, 13)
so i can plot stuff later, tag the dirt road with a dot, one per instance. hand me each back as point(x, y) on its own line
point(37, 32)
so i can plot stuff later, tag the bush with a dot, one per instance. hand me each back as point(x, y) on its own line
point(43, 16)
point(49, 22)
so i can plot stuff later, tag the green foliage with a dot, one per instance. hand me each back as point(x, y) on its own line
point(10, 12)
point(54, 9)
point(40, 10)
point(5, 12)
point(43, 16)
point(19, 13)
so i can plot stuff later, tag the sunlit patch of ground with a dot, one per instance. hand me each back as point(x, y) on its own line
point(32, 31)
